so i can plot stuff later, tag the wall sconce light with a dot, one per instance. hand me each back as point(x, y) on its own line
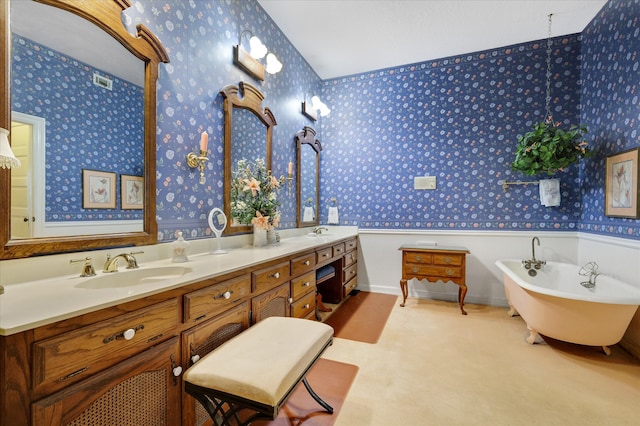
point(311, 111)
point(194, 160)
point(289, 177)
point(248, 61)
point(7, 159)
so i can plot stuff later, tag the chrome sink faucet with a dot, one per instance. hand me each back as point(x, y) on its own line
point(319, 229)
point(111, 265)
point(533, 262)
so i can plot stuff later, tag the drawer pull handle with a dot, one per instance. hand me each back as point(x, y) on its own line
point(154, 338)
point(306, 306)
point(306, 284)
point(449, 271)
point(447, 259)
point(126, 334)
point(415, 269)
point(75, 373)
point(306, 263)
point(419, 258)
point(275, 275)
point(226, 295)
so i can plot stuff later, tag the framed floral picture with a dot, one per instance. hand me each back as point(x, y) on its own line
point(98, 189)
point(131, 192)
point(621, 189)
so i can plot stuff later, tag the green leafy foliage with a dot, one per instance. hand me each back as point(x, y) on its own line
point(547, 148)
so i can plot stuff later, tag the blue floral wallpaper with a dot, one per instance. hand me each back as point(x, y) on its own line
point(610, 106)
point(83, 128)
point(455, 118)
point(458, 119)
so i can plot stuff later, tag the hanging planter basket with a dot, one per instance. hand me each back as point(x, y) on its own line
point(548, 148)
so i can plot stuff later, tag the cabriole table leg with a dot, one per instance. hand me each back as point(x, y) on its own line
point(405, 291)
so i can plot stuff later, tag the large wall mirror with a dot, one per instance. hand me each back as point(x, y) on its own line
point(308, 178)
point(79, 96)
point(247, 135)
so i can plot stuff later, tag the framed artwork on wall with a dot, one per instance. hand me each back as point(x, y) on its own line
point(621, 188)
point(131, 192)
point(98, 189)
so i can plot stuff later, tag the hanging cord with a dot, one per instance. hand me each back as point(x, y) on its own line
point(548, 92)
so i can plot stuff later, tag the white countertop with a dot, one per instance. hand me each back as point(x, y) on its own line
point(31, 304)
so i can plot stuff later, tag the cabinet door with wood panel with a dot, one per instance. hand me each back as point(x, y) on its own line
point(201, 339)
point(274, 303)
point(142, 390)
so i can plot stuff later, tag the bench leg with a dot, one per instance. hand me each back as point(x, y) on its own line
point(316, 397)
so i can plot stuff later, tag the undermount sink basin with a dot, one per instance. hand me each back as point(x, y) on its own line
point(132, 277)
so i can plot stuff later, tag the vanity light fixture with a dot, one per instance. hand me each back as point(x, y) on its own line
point(7, 159)
point(194, 160)
point(249, 61)
point(311, 111)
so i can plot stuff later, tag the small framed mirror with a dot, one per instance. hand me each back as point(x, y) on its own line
point(308, 177)
point(217, 223)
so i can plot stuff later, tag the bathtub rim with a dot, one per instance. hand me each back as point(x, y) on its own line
point(633, 299)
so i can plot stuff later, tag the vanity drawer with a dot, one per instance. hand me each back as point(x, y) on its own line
point(447, 259)
point(70, 357)
point(338, 250)
point(304, 306)
point(417, 257)
point(351, 245)
point(209, 301)
point(348, 287)
point(303, 264)
point(433, 271)
point(303, 284)
point(350, 258)
point(349, 272)
point(323, 255)
point(267, 278)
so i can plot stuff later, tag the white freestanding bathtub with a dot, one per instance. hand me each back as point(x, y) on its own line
point(555, 304)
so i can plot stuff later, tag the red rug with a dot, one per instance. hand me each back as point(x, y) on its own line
point(331, 380)
point(362, 316)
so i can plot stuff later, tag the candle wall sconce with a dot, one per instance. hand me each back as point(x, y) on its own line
point(249, 61)
point(289, 178)
point(194, 160)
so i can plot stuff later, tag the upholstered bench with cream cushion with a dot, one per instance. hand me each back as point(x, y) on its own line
point(252, 375)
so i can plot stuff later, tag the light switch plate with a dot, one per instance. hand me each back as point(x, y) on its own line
point(424, 182)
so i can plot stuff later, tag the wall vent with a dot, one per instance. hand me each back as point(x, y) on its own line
point(102, 81)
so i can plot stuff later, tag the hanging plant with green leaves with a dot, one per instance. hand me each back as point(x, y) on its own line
point(547, 147)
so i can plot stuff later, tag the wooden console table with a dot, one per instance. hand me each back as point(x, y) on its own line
point(434, 263)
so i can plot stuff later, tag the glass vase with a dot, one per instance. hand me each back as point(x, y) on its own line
point(259, 237)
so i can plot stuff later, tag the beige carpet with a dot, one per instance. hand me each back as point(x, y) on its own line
point(433, 366)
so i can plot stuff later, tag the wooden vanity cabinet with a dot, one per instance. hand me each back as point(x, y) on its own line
point(142, 390)
point(350, 267)
point(344, 261)
point(93, 367)
point(201, 339)
point(303, 286)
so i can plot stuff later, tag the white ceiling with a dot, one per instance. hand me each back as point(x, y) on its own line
point(344, 37)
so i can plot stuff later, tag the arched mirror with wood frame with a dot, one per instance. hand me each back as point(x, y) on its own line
point(105, 16)
point(248, 128)
point(308, 177)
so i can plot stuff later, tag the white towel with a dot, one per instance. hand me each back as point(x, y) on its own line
point(308, 215)
point(550, 192)
point(333, 216)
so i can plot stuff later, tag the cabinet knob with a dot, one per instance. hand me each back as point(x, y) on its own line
point(195, 358)
point(276, 275)
point(306, 263)
point(306, 284)
point(226, 295)
point(306, 306)
point(129, 334)
point(177, 371)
